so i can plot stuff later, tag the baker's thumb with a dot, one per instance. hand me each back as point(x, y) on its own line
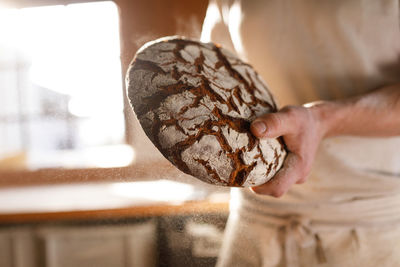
point(270, 125)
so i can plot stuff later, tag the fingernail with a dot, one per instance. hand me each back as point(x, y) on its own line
point(259, 126)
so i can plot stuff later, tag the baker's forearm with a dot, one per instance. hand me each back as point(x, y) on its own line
point(373, 114)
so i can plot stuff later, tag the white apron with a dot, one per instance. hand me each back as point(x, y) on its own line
point(348, 212)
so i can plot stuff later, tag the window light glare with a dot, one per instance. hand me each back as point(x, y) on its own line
point(235, 18)
point(72, 52)
point(212, 18)
point(162, 190)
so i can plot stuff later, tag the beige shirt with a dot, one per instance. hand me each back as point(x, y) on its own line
point(320, 50)
point(309, 50)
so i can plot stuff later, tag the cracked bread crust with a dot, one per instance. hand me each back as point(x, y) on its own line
point(195, 101)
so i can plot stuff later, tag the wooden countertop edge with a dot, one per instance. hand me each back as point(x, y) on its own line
point(139, 171)
point(194, 207)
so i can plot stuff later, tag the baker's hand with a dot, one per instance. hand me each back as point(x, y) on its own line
point(302, 131)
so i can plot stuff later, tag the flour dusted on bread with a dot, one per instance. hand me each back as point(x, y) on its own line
point(195, 101)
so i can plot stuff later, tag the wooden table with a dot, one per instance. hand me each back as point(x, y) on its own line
point(109, 200)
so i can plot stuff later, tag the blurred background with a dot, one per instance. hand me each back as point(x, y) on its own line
point(80, 184)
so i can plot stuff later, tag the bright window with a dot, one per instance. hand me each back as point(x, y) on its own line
point(61, 97)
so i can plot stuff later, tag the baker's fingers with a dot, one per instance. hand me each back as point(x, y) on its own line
point(293, 171)
point(273, 125)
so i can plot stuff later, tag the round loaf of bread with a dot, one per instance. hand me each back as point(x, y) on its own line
point(195, 101)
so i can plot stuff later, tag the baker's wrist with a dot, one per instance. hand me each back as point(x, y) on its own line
point(328, 117)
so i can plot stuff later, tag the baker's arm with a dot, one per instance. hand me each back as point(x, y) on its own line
point(374, 114)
